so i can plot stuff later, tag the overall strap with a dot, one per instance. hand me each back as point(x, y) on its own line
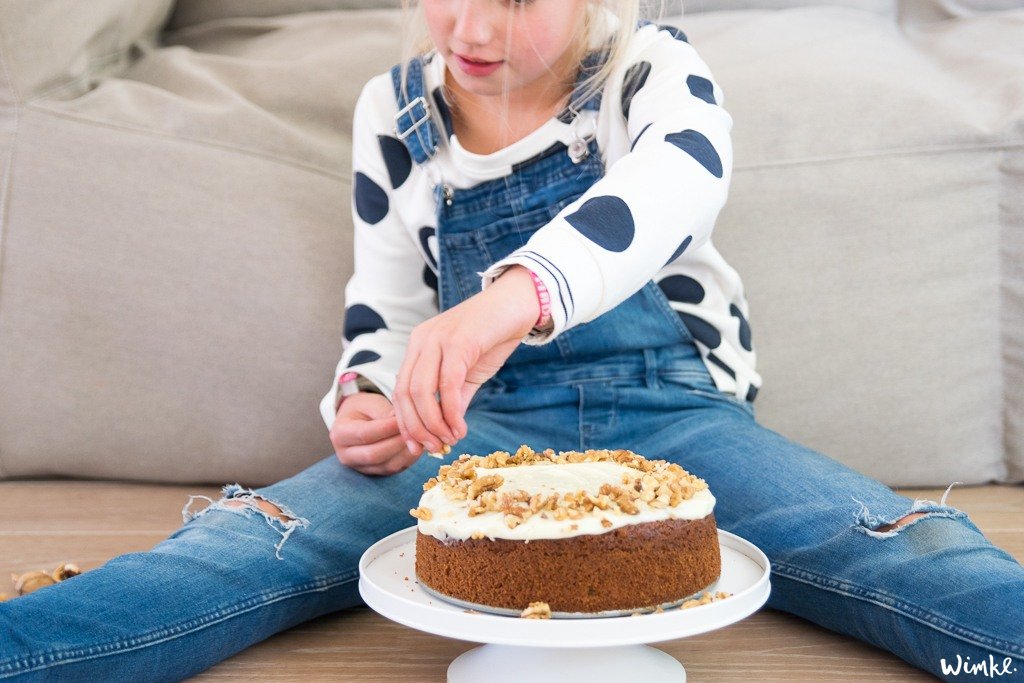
point(591, 65)
point(414, 124)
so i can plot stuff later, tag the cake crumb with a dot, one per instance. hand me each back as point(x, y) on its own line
point(537, 610)
point(705, 599)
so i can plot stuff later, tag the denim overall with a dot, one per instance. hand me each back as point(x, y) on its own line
point(234, 574)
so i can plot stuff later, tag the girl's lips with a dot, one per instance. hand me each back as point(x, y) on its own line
point(476, 68)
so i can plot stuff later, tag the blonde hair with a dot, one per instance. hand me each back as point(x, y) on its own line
point(416, 41)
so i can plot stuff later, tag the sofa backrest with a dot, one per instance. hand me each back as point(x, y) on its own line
point(62, 48)
point(176, 235)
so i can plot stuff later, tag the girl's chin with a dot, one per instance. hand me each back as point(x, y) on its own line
point(474, 85)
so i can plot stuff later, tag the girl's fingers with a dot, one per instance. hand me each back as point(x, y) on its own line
point(392, 465)
point(368, 432)
point(466, 393)
point(453, 375)
point(401, 401)
point(360, 457)
point(423, 387)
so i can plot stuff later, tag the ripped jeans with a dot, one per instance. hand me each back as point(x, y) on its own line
point(930, 590)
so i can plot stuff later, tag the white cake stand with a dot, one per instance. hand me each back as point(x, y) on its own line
point(558, 650)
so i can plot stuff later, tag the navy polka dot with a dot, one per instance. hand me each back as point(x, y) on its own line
point(638, 135)
point(698, 147)
point(425, 234)
point(682, 288)
point(371, 200)
point(363, 356)
point(680, 249)
point(744, 327)
point(606, 221)
point(429, 278)
point(720, 363)
point(676, 33)
point(701, 87)
point(361, 319)
point(635, 78)
point(396, 158)
point(702, 330)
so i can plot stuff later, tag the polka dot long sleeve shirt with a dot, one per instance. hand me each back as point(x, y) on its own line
point(664, 140)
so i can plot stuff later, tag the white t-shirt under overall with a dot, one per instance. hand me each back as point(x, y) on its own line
point(664, 140)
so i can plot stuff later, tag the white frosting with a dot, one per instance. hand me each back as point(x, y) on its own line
point(450, 518)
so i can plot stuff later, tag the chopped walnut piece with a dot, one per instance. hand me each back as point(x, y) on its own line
point(422, 513)
point(512, 521)
point(445, 450)
point(537, 610)
point(606, 523)
point(486, 483)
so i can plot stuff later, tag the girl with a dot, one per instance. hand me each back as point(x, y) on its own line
point(533, 202)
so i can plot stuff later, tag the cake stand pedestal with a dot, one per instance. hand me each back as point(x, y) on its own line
point(565, 650)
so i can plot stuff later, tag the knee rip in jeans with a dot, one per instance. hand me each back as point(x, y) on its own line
point(878, 527)
point(245, 502)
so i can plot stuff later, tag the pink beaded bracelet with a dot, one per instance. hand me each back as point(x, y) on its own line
point(544, 299)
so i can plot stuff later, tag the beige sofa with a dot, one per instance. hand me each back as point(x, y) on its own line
point(175, 233)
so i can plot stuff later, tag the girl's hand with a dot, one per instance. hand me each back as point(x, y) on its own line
point(365, 436)
point(457, 351)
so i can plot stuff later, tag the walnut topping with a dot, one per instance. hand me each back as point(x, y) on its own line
point(537, 610)
point(654, 484)
point(491, 481)
point(423, 513)
point(445, 450)
point(705, 599)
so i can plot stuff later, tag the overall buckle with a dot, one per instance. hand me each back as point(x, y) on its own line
point(407, 110)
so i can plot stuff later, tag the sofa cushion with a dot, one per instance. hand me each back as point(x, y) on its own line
point(177, 242)
point(192, 12)
point(875, 215)
point(59, 49)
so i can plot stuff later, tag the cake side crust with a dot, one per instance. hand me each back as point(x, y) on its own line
point(630, 567)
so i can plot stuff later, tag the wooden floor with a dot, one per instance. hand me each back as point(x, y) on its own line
point(44, 523)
